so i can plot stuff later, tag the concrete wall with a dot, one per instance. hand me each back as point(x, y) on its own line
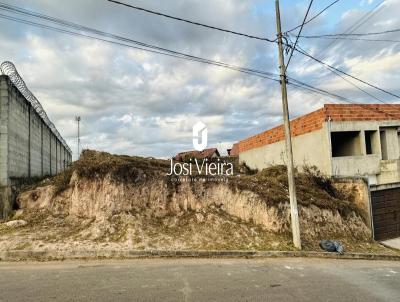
point(46, 149)
point(391, 142)
point(308, 149)
point(315, 148)
point(3, 132)
point(18, 135)
point(53, 154)
point(28, 148)
point(385, 144)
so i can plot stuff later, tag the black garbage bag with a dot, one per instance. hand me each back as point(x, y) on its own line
point(331, 246)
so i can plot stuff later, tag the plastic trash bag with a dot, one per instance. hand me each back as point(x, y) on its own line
point(332, 246)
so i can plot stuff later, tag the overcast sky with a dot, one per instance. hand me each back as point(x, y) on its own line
point(138, 103)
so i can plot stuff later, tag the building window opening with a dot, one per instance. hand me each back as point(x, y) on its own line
point(370, 142)
point(345, 143)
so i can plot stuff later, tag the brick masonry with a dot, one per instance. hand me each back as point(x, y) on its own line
point(315, 120)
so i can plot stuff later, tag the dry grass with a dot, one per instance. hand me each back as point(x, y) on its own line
point(312, 188)
point(270, 184)
point(122, 168)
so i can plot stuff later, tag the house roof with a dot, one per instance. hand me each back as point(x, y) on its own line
point(314, 121)
point(206, 153)
point(235, 150)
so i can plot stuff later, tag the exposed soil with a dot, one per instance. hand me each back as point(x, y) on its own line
point(108, 201)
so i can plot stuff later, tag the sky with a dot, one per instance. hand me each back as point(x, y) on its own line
point(138, 103)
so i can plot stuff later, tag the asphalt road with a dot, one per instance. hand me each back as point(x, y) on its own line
point(202, 280)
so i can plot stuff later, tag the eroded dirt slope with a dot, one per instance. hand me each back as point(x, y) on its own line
point(108, 201)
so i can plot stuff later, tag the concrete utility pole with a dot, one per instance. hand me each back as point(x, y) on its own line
point(294, 214)
point(78, 119)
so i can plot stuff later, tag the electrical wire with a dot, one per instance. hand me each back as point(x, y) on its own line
point(314, 17)
point(309, 87)
point(350, 39)
point(191, 22)
point(356, 34)
point(128, 42)
point(154, 49)
point(350, 82)
point(354, 27)
point(319, 91)
point(297, 38)
point(347, 74)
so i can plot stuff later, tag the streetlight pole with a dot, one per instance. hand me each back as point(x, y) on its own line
point(78, 119)
point(294, 214)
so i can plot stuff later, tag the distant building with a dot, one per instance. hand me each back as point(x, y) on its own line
point(206, 153)
point(343, 140)
point(234, 151)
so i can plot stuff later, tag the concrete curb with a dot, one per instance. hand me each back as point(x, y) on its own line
point(54, 255)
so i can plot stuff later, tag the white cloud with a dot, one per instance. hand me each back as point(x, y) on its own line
point(135, 102)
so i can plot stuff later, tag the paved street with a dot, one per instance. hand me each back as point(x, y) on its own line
point(202, 280)
point(393, 243)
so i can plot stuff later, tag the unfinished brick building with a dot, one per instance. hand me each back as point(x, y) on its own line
point(342, 141)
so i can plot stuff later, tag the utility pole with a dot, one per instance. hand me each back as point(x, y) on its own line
point(78, 119)
point(294, 214)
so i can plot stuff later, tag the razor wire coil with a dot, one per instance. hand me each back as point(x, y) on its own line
point(9, 69)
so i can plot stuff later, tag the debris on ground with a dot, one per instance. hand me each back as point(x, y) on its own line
point(15, 223)
point(332, 246)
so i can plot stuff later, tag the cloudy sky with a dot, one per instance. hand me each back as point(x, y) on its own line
point(135, 102)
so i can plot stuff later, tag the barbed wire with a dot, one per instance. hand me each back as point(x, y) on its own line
point(9, 69)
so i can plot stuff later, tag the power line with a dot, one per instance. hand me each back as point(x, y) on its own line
point(297, 38)
point(356, 34)
point(347, 74)
point(149, 48)
point(300, 84)
point(365, 18)
point(142, 46)
point(307, 87)
point(355, 26)
point(191, 22)
point(350, 39)
point(314, 17)
point(350, 82)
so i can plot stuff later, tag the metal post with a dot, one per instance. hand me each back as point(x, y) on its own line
point(78, 119)
point(294, 214)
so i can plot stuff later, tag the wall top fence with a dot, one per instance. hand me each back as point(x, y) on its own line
point(9, 69)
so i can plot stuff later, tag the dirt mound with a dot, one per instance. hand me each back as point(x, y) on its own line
point(129, 202)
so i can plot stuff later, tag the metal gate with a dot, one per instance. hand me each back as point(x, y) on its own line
point(386, 213)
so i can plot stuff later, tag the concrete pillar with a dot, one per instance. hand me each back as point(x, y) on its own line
point(362, 143)
point(56, 153)
point(5, 191)
point(41, 148)
point(51, 171)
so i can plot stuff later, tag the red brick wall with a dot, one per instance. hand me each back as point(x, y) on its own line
point(304, 124)
point(314, 121)
point(364, 112)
